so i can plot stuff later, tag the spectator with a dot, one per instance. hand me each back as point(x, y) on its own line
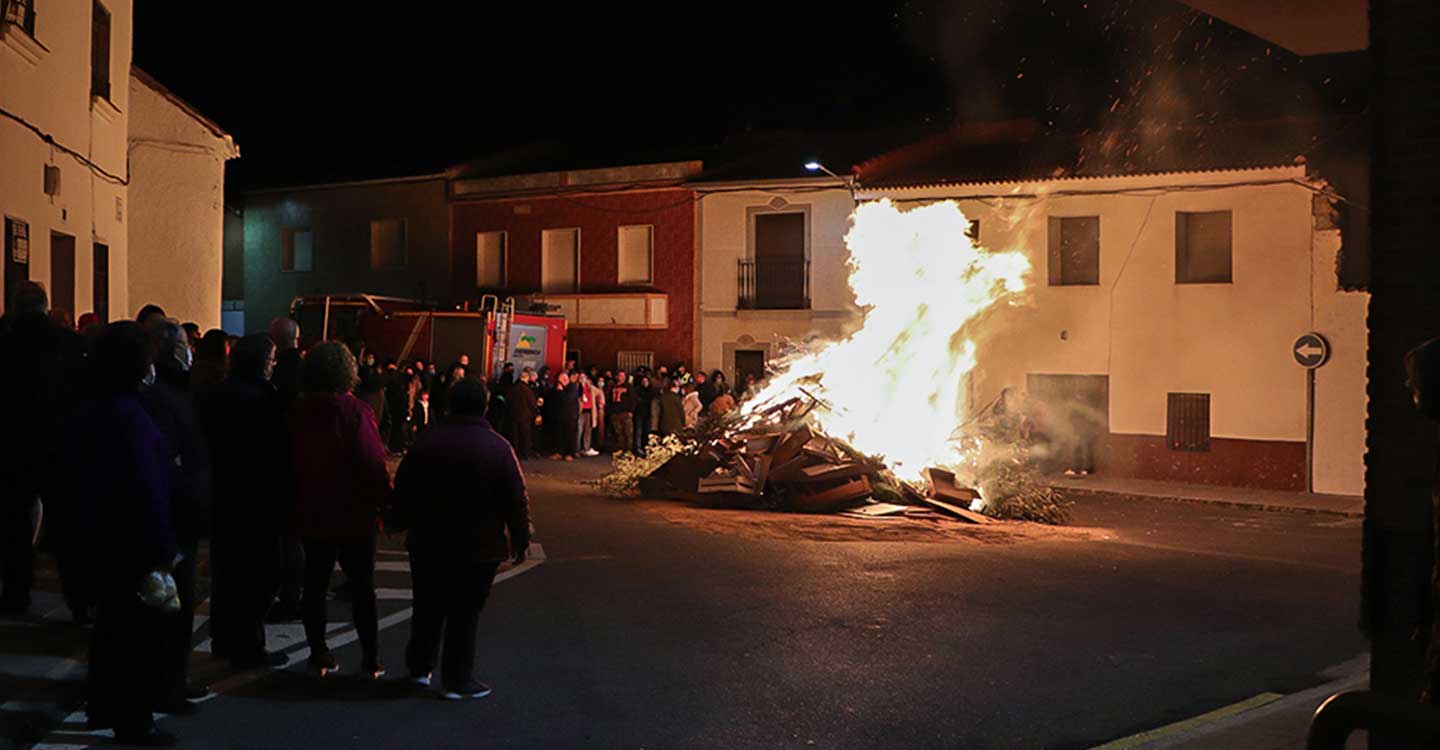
point(341, 484)
point(672, 409)
point(564, 400)
point(644, 407)
point(290, 562)
point(587, 416)
point(147, 313)
point(168, 403)
point(597, 397)
point(245, 427)
point(622, 414)
point(724, 403)
point(192, 334)
point(121, 470)
point(285, 332)
point(691, 404)
point(422, 412)
point(706, 389)
point(211, 360)
point(524, 412)
point(459, 492)
point(63, 318)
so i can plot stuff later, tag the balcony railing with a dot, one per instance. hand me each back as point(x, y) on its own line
point(773, 284)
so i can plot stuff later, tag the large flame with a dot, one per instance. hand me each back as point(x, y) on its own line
point(894, 389)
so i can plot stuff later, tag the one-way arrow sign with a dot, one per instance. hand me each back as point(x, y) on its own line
point(1311, 350)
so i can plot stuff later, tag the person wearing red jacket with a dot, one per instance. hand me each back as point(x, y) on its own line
point(341, 484)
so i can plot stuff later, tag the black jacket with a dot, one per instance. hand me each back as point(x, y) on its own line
point(244, 426)
point(188, 459)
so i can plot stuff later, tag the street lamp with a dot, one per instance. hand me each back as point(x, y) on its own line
point(815, 166)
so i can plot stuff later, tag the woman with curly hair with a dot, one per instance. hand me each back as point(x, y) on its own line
point(341, 485)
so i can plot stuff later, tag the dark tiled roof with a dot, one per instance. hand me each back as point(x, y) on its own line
point(1011, 151)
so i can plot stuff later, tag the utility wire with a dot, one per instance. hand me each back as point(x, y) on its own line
point(49, 139)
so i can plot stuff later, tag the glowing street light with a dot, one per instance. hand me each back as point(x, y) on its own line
point(815, 166)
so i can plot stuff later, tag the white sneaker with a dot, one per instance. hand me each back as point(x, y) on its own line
point(591, 452)
point(473, 690)
point(1069, 472)
point(421, 680)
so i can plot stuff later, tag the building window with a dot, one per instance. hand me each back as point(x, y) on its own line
point(778, 276)
point(21, 14)
point(636, 254)
point(388, 245)
point(100, 283)
point(490, 260)
point(560, 261)
point(17, 256)
point(1074, 250)
point(632, 361)
point(1202, 247)
point(100, 52)
point(1187, 422)
point(297, 250)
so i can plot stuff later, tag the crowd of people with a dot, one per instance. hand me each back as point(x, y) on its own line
point(134, 442)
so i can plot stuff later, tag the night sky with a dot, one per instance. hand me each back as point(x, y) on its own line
point(320, 92)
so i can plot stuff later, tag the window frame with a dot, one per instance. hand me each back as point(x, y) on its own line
point(543, 254)
point(404, 263)
point(96, 90)
point(649, 250)
point(27, 20)
point(1177, 437)
point(504, 258)
point(1055, 250)
point(1182, 247)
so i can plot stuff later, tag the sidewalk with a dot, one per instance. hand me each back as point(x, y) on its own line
point(1264, 722)
point(1350, 506)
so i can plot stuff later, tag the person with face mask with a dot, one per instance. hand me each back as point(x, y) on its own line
point(166, 399)
point(244, 424)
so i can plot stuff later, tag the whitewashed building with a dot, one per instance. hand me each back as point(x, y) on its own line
point(64, 117)
point(177, 203)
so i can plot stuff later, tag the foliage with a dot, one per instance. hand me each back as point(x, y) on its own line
point(1010, 478)
point(627, 469)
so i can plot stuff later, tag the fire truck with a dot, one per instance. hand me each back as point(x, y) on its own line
point(405, 330)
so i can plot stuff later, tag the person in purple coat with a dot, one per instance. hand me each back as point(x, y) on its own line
point(122, 493)
point(460, 492)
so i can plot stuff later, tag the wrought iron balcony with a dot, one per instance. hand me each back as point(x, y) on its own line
point(773, 284)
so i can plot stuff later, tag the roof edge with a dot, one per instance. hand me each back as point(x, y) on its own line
point(189, 109)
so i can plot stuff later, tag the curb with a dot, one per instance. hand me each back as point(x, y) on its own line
point(1074, 491)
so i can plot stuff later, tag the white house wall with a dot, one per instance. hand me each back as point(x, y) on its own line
point(49, 87)
point(177, 209)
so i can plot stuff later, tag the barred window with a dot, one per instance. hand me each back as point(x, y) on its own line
point(1187, 422)
point(632, 361)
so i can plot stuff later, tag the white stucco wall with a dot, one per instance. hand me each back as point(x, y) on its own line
point(726, 230)
point(177, 208)
point(47, 84)
point(1152, 336)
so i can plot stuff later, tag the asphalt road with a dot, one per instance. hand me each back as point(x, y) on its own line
point(639, 633)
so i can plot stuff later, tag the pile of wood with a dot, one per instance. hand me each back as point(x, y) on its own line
point(798, 470)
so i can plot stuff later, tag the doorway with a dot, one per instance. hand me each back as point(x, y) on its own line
point(100, 283)
point(62, 273)
point(749, 362)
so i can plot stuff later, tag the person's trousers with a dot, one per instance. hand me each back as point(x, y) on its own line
point(622, 431)
point(567, 435)
point(1083, 453)
point(240, 565)
point(449, 594)
point(524, 439)
point(289, 572)
point(582, 440)
point(357, 562)
point(174, 671)
point(126, 647)
point(17, 547)
point(642, 433)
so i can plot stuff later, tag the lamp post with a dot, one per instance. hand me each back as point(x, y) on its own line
point(815, 166)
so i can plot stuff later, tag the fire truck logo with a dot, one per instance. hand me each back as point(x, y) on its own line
point(527, 341)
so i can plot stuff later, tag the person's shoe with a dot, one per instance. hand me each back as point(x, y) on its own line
point(1069, 472)
point(555, 457)
point(420, 680)
point(372, 668)
point(151, 737)
point(569, 458)
point(1084, 473)
point(324, 664)
point(471, 689)
point(260, 660)
point(592, 453)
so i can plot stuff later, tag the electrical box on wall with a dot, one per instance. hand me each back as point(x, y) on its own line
point(52, 180)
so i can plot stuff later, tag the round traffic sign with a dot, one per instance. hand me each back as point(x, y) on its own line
point(1311, 350)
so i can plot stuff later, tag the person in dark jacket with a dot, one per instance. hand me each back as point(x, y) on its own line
point(245, 428)
point(524, 408)
point(41, 369)
point(211, 360)
point(644, 406)
point(707, 388)
point(168, 403)
point(564, 400)
point(621, 408)
point(121, 474)
point(459, 491)
point(290, 560)
point(341, 484)
point(672, 409)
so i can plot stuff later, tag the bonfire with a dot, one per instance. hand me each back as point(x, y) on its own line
point(881, 414)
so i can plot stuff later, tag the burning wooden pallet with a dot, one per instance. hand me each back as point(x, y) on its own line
point(800, 470)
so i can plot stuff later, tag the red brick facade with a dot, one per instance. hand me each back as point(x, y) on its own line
point(671, 211)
